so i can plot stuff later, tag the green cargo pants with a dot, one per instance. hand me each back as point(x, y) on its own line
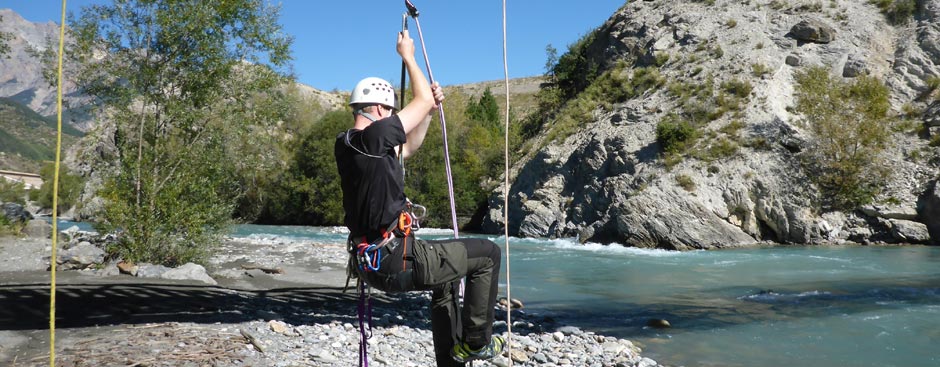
point(439, 266)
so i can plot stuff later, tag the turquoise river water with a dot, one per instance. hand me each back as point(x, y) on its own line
point(776, 306)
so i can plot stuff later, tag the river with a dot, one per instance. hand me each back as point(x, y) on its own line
point(774, 306)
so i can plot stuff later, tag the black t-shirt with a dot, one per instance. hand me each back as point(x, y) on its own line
point(372, 180)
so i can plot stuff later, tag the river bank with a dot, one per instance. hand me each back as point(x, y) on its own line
point(299, 317)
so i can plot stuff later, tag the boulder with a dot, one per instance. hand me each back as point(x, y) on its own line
point(909, 231)
point(794, 60)
point(151, 271)
point(69, 233)
point(15, 213)
point(38, 228)
point(127, 268)
point(189, 271)
point(902, 212)
point(81, 256)
point(854, 67)
point(928, 209)
point(813, 30)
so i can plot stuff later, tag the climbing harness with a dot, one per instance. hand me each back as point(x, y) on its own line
point(369, 255)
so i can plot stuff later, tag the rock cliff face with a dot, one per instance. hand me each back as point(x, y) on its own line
point(21, 76)
point(607, 182)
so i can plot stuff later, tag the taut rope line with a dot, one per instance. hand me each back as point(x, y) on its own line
point(55, 192)
point(506, 193)
point(440, 112)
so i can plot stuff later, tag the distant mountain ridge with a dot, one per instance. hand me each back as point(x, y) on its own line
point(21, 78)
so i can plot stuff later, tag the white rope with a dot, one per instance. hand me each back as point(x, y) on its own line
point(506, 194)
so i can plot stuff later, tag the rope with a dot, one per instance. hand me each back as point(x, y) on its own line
point(440, 112)
point(55, 193)
point(506, 193)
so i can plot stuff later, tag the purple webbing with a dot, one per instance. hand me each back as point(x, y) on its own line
point(364, 305)
point(440, 111)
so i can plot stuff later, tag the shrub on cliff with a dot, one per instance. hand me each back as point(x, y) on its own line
point(849, 120)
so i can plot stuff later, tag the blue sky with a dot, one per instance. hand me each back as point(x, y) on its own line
point(336, 43)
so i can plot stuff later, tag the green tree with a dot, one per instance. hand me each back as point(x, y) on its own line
point(484, 110)
point(70, 188)
point(551, 59)
point(190, 85)
point(309, 192)
point(12, 192)
point(849, 119)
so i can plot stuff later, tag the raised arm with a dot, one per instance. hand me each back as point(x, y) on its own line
point(415, 138)
point(413, 115)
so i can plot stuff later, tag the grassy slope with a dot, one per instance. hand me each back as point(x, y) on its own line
point(27, 139)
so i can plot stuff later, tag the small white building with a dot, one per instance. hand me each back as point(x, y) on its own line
point(29, 180)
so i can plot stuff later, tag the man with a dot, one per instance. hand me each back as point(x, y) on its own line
point(384, 252)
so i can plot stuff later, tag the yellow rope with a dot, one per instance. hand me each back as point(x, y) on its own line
point(506, 194)
point(55, 193)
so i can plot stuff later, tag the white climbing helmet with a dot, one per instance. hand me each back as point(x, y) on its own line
point(373, 90)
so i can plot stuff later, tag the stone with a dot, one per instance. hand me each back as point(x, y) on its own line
point(929, 210)
point(933, 131)
point(903, 212)
point(126, 267)
point(794, 60)
point(38, 228)
point(932, 114)
point(813, 30)
point(570, 330)
point(613, 348)
point(516, 304)
point(15, 213)
point(189, 271)
point(909, 231)
point(854, 67)
point(151, 271)
point(69, 233)
point(519, 356)
point(280, 327)
point(658, 323)
point(81, 256)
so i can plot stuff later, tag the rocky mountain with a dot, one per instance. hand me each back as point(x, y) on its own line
point(609, 182)
point(21, 77)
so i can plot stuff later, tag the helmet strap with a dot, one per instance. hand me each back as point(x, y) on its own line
point(367, 115)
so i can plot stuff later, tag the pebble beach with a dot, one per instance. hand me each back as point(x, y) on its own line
point(298, 316)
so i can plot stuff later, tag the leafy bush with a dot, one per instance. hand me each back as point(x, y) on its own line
point(897, 11)
point(12, 192)
point(685, 182)
point(616, 85)
point(759, 69)
point(849, 121)
point(70, 188)
point(674, 134)
point(661, 58)
point(933, 84)
point(575, 71)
